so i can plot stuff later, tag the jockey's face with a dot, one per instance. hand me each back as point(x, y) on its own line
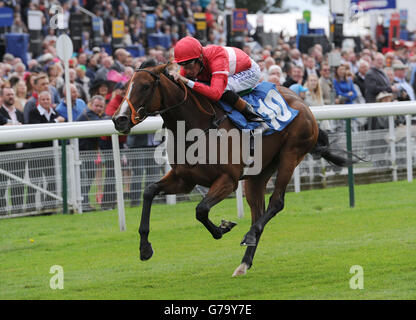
point(192, 69)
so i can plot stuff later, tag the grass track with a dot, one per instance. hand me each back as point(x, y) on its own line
point(305, 252)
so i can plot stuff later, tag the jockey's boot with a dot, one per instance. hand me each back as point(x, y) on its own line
point(247, 110)
point(234, 100)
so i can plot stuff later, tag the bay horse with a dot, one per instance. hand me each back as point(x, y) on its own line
point(151, 91)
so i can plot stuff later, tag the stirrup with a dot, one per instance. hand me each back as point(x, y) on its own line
point(253, 117)
point(250, 114)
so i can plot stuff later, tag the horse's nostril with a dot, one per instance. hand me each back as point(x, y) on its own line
point(121, 123)
point(121, 120)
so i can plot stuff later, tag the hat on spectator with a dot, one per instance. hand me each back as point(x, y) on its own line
point(115, 76)
point(96, 49)
point(45, 58)
point(96, 84)
point(383, 95)
point(398, 65)
point(36, 69)
point(298, 88)
point(71, 63)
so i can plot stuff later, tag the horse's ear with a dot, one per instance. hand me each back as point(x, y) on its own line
point(171, 67)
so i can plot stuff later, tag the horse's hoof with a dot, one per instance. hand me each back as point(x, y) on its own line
point(249, 240)
point(241, 270)
point(146, 252)
point(226, 226)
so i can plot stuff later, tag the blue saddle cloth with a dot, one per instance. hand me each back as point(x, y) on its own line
point(268, 102)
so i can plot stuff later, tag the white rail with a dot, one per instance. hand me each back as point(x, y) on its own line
point(40, 132)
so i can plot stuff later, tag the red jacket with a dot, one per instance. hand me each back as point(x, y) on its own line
point(219, 64)
point(113, 105)
point(110, 109)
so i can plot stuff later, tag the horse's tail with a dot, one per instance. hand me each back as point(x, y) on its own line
point(322, 150)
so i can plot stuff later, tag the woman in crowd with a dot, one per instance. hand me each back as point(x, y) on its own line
point(313, 97)
point(20, 90)
point(344, 87)
point(314, 94)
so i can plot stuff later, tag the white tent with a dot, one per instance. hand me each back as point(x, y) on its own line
point(286, 22)
point(320, 17)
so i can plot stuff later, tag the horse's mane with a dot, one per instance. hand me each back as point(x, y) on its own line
point(148, 63)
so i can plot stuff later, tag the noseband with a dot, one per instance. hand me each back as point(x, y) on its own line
point(135, 115)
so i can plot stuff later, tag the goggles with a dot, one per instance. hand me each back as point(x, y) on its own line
point(184, 63)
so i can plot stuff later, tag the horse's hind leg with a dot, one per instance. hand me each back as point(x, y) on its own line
point(219, 190)
point(169, 184)
point(255, 188)
point(287, 164)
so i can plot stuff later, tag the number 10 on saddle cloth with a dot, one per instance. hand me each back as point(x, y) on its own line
point(268, 102)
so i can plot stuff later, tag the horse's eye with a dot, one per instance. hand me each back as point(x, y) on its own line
point(145, 86)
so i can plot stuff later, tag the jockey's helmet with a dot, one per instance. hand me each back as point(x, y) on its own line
point(187, 49)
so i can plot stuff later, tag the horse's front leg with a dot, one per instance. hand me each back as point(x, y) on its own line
point(220, 189)
point(169, 184)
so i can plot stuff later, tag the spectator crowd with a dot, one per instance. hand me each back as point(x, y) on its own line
point(34, 93)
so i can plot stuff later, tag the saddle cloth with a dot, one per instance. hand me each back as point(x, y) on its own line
point(267, 102)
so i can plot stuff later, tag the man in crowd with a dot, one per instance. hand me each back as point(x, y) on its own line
point(82, 93)
point(78, 105)
point(102, 72)
point(326, 83)
point(402, 88)
point(296, 76)
point(376, 80)
point(359, 79)
point(40, 83)
point(92, 63)
point(13, 117)
point(310, 68)
point(275, 75)
point(296, 58)
point(43, 165)
point(121, 56)
point(88, 167)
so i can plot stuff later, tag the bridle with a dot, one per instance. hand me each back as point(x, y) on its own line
point(135, 115)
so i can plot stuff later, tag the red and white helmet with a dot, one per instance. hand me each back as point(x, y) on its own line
point(186, 49)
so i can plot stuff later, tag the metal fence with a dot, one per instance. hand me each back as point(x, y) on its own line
point(30, 180)
point(384, 152)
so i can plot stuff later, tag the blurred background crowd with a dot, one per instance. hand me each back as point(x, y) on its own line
point(113, 37)
point(150, 30)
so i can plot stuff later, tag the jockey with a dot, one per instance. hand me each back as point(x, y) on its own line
point(227, 70)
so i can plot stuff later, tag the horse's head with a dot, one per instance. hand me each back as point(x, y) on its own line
point(143, 98)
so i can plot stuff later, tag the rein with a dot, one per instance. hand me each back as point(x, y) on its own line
point(135, 115)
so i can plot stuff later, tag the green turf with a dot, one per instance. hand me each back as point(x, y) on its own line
point(306, 252)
